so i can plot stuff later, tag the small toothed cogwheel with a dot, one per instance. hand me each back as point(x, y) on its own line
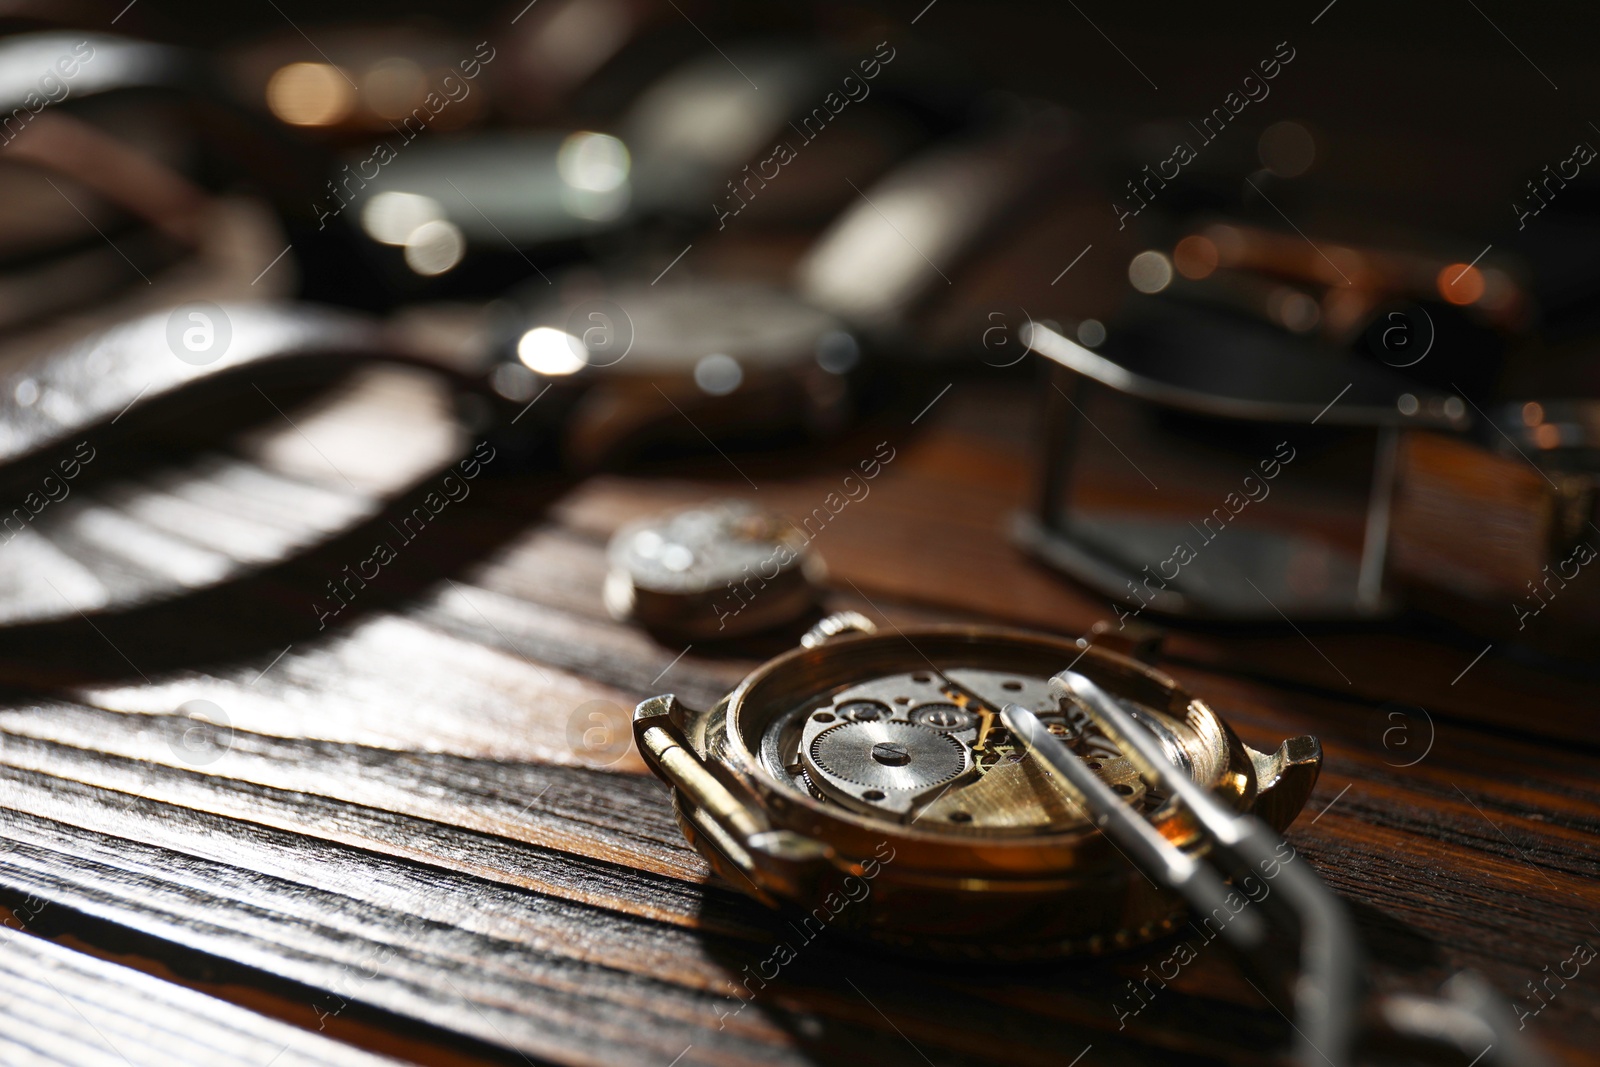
point(894, 760)
point(886, 755)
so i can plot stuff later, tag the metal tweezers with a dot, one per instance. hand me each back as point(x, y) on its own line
point(1335, 1021)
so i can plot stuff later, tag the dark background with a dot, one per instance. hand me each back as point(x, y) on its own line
point(1427, 116)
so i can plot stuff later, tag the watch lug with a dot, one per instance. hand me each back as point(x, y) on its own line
point(786, 846)
point(1284, 779)
point(658, 729)
point(774, 862)
point(666, 707)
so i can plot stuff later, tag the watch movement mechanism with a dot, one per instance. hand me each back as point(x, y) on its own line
point(874, 759)
point(928, 747)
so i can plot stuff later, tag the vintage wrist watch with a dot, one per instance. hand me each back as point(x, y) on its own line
point(867, 781)
point(680, 358)
point(474, 214)
point(968, 792)
point(639, 368)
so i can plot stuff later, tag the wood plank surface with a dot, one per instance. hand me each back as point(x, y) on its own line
point(390, 825)
point(64, 1006)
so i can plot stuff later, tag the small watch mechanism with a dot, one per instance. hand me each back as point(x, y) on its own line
point(714, 571)
point(929, 748)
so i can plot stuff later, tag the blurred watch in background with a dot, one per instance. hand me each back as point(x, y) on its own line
point(718, 358)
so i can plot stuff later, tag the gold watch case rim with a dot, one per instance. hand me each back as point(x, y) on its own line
point(1235, 783)
point(788, 848)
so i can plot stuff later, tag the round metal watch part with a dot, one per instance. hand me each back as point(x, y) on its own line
point(942, 717)
point(966, 843)
point(881, 756)
point(713, 571)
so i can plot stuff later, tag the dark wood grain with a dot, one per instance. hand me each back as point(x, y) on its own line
point(399, 835)
point(63, 1006)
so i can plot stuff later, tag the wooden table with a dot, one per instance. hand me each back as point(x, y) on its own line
point(401, 842)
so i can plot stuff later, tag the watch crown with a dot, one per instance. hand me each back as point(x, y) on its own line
point(842, 622)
